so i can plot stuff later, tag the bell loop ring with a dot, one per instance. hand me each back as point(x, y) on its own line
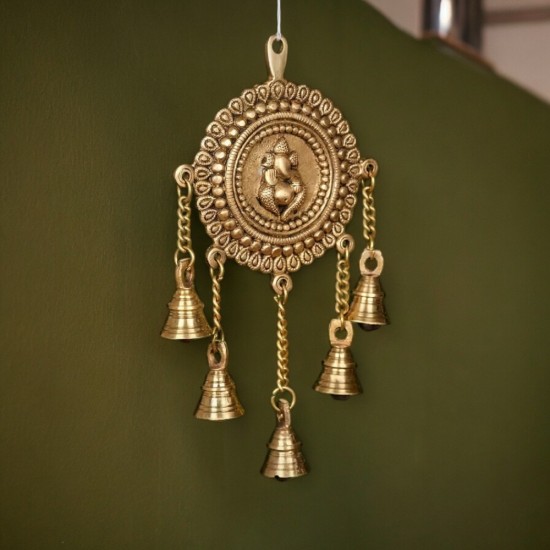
point(275, 399)
point(185, 177)
point(369, 168)
point(281, 284)
point(218, 338)
point(335, 326)
point(217, 348)
point(216, 258)
point(345, 244)
point(185, 273)
point(179, 258)
point(283, 414)
point(367, 254)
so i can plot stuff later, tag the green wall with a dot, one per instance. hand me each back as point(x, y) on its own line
point(449, 446)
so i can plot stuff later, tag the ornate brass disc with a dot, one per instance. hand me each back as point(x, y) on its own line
point(276, 176)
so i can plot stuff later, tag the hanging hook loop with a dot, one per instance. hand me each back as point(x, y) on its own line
point(281, 284)
point(276, 61)
point(369, 168)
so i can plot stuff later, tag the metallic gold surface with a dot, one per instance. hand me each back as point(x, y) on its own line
point(367, 306)
point(219, 399)
point(369, 169)
point(284, 458)
point(186, 319)
point(275, 181)
point(281, 189)
point(282, 285)
point(344, 246)
point(276, 61)
point(339, 375)
point(277, 174)
point(184, 176)
point(216, 260)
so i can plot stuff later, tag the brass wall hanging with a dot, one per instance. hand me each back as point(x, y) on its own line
point(276, 180)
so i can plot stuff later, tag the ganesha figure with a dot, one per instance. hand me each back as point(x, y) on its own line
point(281, 190)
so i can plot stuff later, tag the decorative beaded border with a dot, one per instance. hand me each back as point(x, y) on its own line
point(284, 108)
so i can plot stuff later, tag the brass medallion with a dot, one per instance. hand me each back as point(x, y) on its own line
point(276, 175)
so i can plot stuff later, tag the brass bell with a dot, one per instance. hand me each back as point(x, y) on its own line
point(219, 399)
point(367, 307)
point(339, 375)
point(284, 458)
point(186, 320)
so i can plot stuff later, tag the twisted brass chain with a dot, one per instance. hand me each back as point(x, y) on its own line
point(282, 340)
point(369, 169)
point(369, 212)
point(216, 260)
point(184, 178)
point(282, 287)
point(342, 285)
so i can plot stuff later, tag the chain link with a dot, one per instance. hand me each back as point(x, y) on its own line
point(282, 340)
point(282, 289)
point(184, 179)
point(217, 273)
point(342, 285)
point(369, 212)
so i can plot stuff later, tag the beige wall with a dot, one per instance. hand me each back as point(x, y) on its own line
point(406, 14)
point(521, 52)
point(518, 51)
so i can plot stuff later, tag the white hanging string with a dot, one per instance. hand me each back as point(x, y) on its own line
point(279, 35)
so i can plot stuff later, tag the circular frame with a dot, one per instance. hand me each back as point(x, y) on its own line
point(276, 177)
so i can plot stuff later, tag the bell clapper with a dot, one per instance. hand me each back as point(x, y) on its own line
point(368, 328)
